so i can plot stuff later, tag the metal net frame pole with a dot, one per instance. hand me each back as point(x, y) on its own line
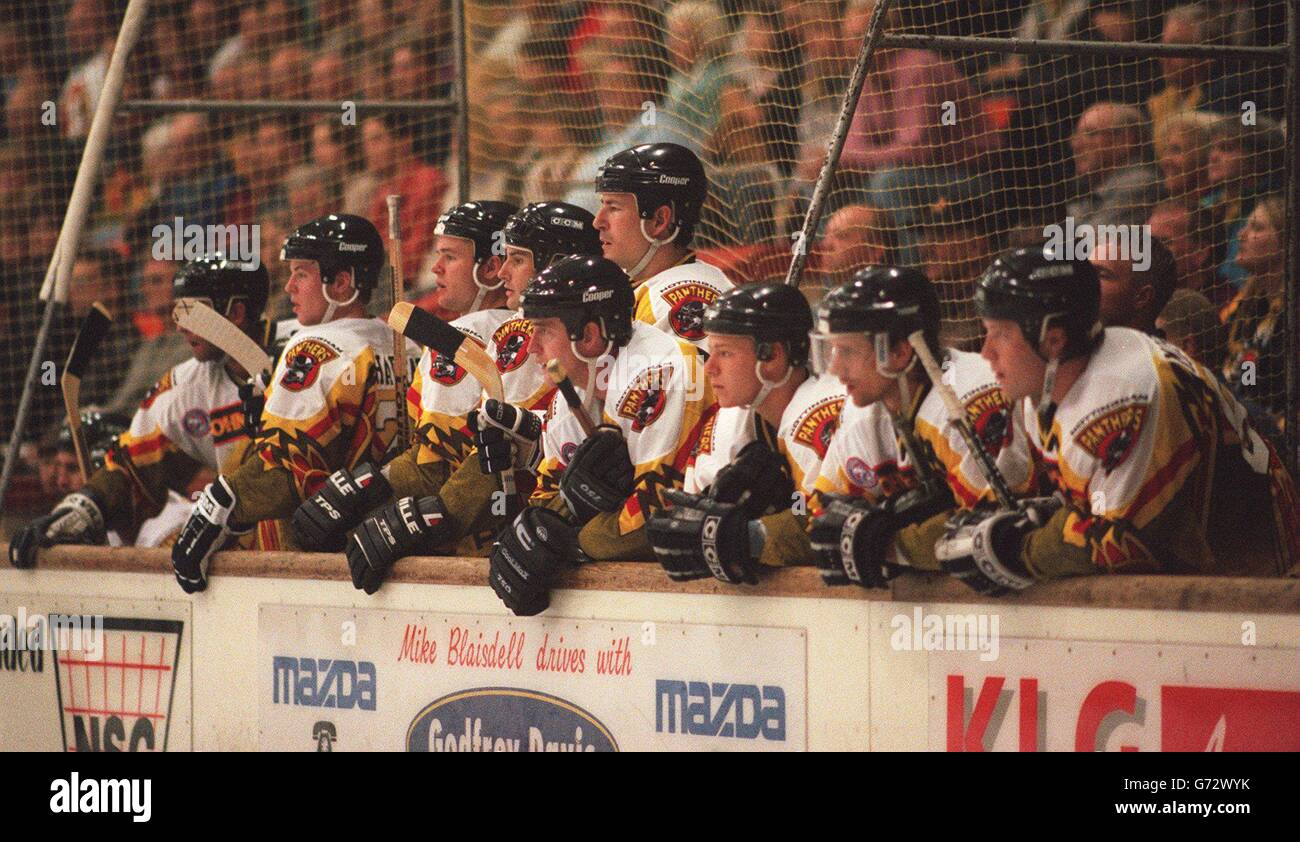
point(54, 291)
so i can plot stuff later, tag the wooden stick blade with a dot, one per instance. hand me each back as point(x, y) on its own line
point(424, 328)
point(94, 327)
point(207, 324)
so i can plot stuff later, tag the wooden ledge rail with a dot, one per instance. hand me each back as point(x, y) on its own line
point(1170, 593)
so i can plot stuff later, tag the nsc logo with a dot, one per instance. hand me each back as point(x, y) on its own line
point(506, 719)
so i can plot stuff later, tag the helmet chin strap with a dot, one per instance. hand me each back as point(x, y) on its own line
point(334, 305)
point(651, 250)
point(588, 393)
point(767, 386)
point(1046, 407)
point(483, 289)
point(881, 341)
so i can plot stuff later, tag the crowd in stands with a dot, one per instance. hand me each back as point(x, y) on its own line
point(950, 156)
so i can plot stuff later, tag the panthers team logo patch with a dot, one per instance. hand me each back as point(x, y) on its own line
point(645, 401)
point(158, 388)
point(512, 339)
point(445, 371)
point(990, 415)
point(1111, 437)
point(818, 425)
point(303, 363)
point(686, 302)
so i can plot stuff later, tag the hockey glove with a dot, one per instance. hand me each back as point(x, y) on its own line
point(758, 481)
point(322, 522)
point(207, 531)
point(507, 437)
point(403, 528)
point(699, 537)
point(77, 519)
point(599, 477)
point(527, 556)
point(981, 547)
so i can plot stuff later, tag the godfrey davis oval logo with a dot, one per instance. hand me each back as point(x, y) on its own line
point(506, 719)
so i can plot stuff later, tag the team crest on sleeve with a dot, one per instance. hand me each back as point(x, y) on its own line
point(645, 401)
point(512, 339)
point(1111, 437)
point(990, 415)
point(196, 422)
point(445, 371)
point(157, 389)
point(303, 363)
point(818, 425)
point(567, 450)
point(686, 302)
point(860, 473)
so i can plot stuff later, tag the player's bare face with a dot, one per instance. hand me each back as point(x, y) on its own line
point(1118, 290)
point(67, 476)
point(202, 350)
point(1016, 365)
point(551, 342)
point(619, 225)
point(517, 270)
point(730, 369)
point(853, 361)
point(453, 272)
point(305, 292)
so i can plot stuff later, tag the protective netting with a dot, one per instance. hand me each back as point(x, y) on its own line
point(954, 154)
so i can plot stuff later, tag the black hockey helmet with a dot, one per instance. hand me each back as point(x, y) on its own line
point(659, 174)
point(551, 230)
point(897, 301)
point(221, 281)
point(579, 289)
point(1037, 289)
point(768, 313)
point(478, 222)
point(101, 430)
point(339, 241)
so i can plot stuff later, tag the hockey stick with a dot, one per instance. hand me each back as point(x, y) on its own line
point(401, 375)
point(556, 372)
point(207, 324)
point(93, 329)
point(957, 415)
point(848, 106)
point(424, 328)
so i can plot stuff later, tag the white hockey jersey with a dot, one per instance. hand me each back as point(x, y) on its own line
point(866, 458)
point(674, 300)
point(808, 425)
point(331, 403)
point(658, 396)
point(1161, 468)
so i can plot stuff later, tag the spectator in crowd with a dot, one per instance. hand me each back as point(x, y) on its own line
point(918, 128)
point(746, 189)
point(549, 159)
point(1193, 237)
point(961, 234)
point(235, 48)
point(275, 228)
point(205, 23)
point(262, 156)
point(696, 40)
point(767, 65)
point(289, 72)
point(157, 347)
point(329, 79)
point(201, 185)
point(1193, 83)
point(1255, 365)
point(43, 160)
point(855, 236)
point(1191, 322)
point(1113, 179)
point(312, 192)
point(90, 35)
point(11, 58)
point(1137, 280)
point(390, 155)
point(1182, 145)
point(1042, 20)
point(621, 90)
point(1246, 162)
point(422, 68)
point(336, 26)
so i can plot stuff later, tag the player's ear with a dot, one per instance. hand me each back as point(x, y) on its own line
point(1053, 343)
point(593, 341)
point(661, 223)
point(340, 289)
point(900, 355)
point(490, 269)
